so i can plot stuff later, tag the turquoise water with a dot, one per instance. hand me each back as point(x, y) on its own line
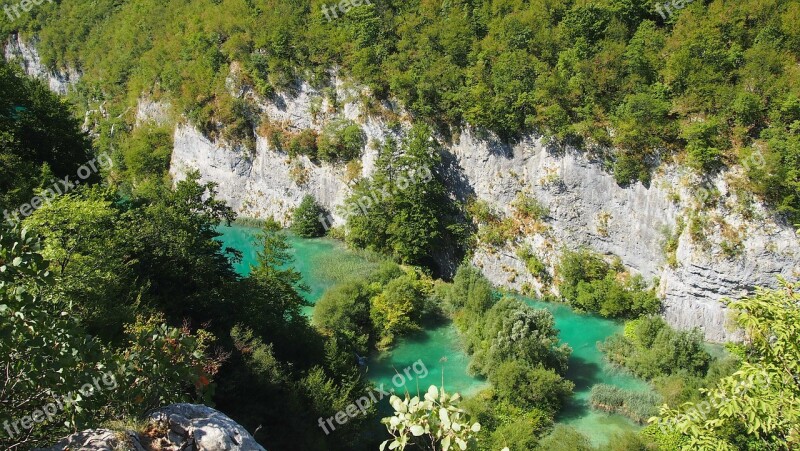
point(322, 262)
point(586, 368)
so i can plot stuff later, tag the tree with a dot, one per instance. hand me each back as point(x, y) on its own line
point(340, 141)
point(306, 220)
point(513, 330)
point(565, 438)
point(758, 405)
point(404, 210)
point(345, 308)
point(47, 355)
point(399, 308)
point(528, 387)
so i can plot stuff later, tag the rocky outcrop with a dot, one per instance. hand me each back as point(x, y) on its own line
point(26, 55)
point(176, 427)
point(742, 244)
point(586, 207)
point(264, 182)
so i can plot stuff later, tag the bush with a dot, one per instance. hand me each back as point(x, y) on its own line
point(529, 207)
point(304, 143)
point(591, 284)
point(653, 349)
point(306, 218)
point(340, 141)
point(528, 387)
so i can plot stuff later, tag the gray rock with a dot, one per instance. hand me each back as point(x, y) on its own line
point(26, 55)
point(173, 428)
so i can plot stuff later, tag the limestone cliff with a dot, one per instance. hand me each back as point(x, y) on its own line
point(587, 207)
point(724, 247)
point(25, 54)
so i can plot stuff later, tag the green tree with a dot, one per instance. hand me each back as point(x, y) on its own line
point(758, 405)
point(340, 141)
point(306, 220)
point(529, 387)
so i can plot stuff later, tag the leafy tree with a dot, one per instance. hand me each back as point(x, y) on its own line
point(39, 139)
point(758, 405)
point(404, 210)
point(340, 141)
point(345, 308)
point(512, 330)
point(565, 438)
point(47, 355)
point(653, 349)
point(399, 308)
point(529, 387)
point(306, 220)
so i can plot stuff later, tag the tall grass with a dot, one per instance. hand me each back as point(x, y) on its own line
point(636, 405)
point(339, 267)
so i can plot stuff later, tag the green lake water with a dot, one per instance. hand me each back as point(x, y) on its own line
point(323, 261)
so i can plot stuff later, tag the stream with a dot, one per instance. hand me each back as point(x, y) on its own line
point(438, 347)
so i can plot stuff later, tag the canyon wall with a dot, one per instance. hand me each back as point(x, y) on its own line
point(586, 205)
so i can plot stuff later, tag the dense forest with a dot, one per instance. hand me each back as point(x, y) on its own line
point(120, 271)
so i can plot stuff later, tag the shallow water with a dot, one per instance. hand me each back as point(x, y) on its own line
point(322, 262)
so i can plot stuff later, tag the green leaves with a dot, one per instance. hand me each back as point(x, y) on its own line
point(763, 396)
point(436, 420)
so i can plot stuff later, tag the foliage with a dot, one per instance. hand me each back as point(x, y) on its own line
point(758, 405)
point(433, 422)
point(654, 349)
point(528, 387)
point(512, 330)
point(591, 284)
point(306, 220)
point(48, 355)
point(375, 310)
point(399, 308)
point(403, 210)
point(611, 73)
point(565, 438)
point(529, 207)
point(340, 141)
point(39, 140)
point(146, 156)
point(507, 425)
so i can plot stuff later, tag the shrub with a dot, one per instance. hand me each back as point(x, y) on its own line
point(340, 141)
point(306, 220)
point(529, 387)
point(529, 207)
point(653, 349)
point(591, 284)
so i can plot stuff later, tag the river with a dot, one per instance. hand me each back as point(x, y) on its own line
point(322, 262)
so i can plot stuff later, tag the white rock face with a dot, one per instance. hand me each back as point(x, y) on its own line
point(587, 208)
point(180, 427)
point(27, 56)
point(266, 182)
